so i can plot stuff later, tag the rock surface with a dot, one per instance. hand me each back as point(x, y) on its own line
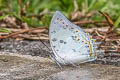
point(36, 48)
point(28, 60)
point(26, 67)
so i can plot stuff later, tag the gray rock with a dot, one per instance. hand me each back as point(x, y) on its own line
point(36, 48)
point(29, 60)
point(26, 67)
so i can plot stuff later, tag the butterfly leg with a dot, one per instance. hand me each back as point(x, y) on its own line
point(74, 65)
point(53, 58)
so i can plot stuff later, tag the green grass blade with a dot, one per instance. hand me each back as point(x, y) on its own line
point(5, 30)
point(116, 24)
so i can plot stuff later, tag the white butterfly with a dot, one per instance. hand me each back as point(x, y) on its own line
point(70, 44)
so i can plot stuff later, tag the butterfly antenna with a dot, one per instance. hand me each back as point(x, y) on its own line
point(44, 43)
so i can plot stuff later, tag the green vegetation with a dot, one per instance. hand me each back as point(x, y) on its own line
point(4, 30)
point(38, 13)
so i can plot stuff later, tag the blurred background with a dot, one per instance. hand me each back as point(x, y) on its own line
point(38, 13)
point(23, 16)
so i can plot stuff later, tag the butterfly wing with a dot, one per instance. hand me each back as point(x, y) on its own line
point(69, 42)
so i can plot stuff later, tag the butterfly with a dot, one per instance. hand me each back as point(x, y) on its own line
point(70, 43)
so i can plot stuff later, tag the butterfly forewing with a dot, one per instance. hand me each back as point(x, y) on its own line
point(68, 41)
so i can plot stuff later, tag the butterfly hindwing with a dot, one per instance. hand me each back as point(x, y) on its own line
point(68, 41)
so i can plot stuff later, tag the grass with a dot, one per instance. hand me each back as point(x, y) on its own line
point(37, 13)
